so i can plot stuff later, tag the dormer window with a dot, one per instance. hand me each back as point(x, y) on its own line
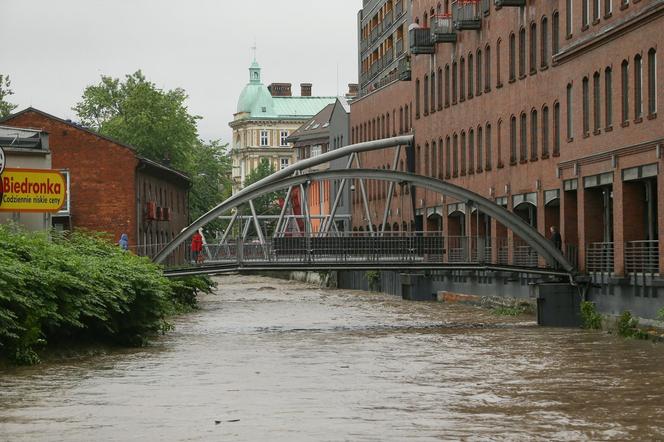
point(264, 109)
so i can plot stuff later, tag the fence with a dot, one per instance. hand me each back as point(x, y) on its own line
point(642, 257)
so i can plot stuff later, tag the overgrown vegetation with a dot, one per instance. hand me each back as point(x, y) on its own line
point(589, 316)
point(79, 286)
point(628, 327)
point(660, 315)
point(373, 279)
point(513, 310)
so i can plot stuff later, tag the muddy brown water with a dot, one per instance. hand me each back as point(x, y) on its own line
point(272, 360)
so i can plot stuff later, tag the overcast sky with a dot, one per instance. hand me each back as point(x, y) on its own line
point(53, 49)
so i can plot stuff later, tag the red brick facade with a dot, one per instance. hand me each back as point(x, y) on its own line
point(503, 130)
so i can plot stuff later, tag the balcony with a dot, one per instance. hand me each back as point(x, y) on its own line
point(420, 41)
point(399, 46)
point(398, 8)
point(374, 34)
point(509, 3)
point(599, 257)
point(388, 57)
point(363, 45)
point(466, 15)
point(388, 19)
point(442, 29)
point(404, 69)
point(642, 257)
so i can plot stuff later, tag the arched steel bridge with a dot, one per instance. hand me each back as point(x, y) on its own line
point(328, 248)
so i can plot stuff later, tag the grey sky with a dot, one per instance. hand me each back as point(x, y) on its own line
point(53, 49)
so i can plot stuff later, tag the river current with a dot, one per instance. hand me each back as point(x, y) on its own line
point(272, 360)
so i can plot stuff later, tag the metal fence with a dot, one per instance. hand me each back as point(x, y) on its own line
point(599, 257)
point(642, 257)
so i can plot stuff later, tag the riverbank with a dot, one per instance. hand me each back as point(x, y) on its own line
point(57, 289)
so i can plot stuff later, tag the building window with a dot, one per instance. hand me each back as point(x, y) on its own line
point(513, 140)
point(433, 92)
point(282, 138)
point(584, 13)
point(595, 11)
point(523, 156)
point(489, 149)
point(426, 166)
point(462, 151)
point(283, 163)
point(264, 138)
point(462, 79)
point(608, 7)
point(499, 143)
point(624, 69)
point(455, 156)
point(586, 106)
point(471, 151)
point(533, 135)
point(533, 48)
point(426, 95)
point(440, 89)
point(316, 150)
point(471, 79)
point(555, 33)
point(522, 53)
point(447, 157)
point(652, 82)
point(432, 164)
point(596, 103)
point(544, 42)
point(487, 68)
point(638, 87)
point(447, 85)
point(400, 120)
point(608, 97)
point(454, 83)
point(568, 17)
point(556, 129)
point(545, 132)
point(478, 73)
point(512, 57)
point(417, 98)
point(480, 148)
point(499, 81)
point(570, 113)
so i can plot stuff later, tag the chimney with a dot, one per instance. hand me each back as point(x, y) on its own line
point(353, 89)
point(305, 89)
point(280, 89)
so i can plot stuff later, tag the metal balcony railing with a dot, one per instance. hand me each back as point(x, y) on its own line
point(388, 19)
point(507, 3)
point(399, 47)
point(420, 41)
point(398, 9)
point(389, 56)
point(466, 14)
point(442, 29)
point(599, 257)
point(404, 69)
point(642, 257)
point(503, 251)
point(523, 254)
point(364, 44)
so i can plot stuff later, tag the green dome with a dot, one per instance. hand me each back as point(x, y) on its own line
point(255, 98)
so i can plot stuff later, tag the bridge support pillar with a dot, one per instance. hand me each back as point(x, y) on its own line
point(416, 287)
point(558, 305)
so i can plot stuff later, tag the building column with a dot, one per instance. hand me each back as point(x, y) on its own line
point(621, 202)
point(660, 219)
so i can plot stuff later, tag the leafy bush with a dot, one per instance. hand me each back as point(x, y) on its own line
point(628, 327)
point(57, 287)
point(185, 290)
point(373, 279)
point(660, 315)
point(589, 316)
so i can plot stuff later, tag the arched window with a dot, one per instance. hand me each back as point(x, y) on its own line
point(440, 167)
point(638, 87)
point(499, 81)
point(512, 57)
point(440, 89)
point(596, 103)
point(424, 167)
point(462, 151)
point(652, 82)
point(417, 98)
point(523, 157)
point(401, 120)
point(608, 97)
point(471, 81)
point(462, 79)
point(478, 76)
point(545, 132)
point(569, 9)
point(585, 19)
point(471, 152)
point(570, 113)
point(480, 148)
point(533, 48)
point(586, 106)
point(556, 129)
point(447, 158)
point(489, 149)
point(534, 134)
point(455, 82)
point(555, 32)
point(455, 156)
point(426, 95)
point(447, 85)
point(434, 159)
point(513, 140)
point(522, 52)
point(544, 41)
point(624, 69)
point(487, 68)
point(596, 8)
point(433, 92)
point(418, 158)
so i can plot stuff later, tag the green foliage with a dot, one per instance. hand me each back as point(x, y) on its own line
point(56, 287)
point(266, 204)
point(6, 108)
point(589, 316)
point(185, 290)
point(512, 310)
point(628, 327)
point(660, 315)
point(373, 279)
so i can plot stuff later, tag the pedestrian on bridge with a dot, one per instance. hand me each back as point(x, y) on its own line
point(124, 242)
point(556, 239)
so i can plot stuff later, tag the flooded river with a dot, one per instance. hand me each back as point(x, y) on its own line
point(271, 360)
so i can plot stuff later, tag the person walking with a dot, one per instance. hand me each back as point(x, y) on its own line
point(197, 247)
point(124, 242)
point(556, 239)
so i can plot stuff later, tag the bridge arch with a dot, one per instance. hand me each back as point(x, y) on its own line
point(539, 243)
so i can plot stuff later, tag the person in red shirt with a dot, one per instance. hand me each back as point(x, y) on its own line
point(197, 247)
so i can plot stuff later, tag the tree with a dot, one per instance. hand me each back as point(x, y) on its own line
point(266, 204)
point(136, 112)
point(6, 108)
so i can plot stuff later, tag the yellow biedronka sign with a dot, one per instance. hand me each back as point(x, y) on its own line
point(32, 190)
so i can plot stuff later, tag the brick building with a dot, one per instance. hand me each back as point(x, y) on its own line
point(111, 188)
point(549, 108)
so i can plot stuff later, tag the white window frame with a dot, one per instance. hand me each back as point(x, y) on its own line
point(282, 139)
point(316, 150)
point(264, 138)
point(284, 163)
